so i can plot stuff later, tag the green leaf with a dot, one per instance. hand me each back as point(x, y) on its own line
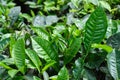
point(14, 13)
point(44, 49)
point(53, 77)
point(89, 75)
point(41, 32)
point(12, 42)
point(12, 72)
point(49, 21)
point(36, 78)
point(103, 46)
point(5, 66)
point(72, 50)
point(45, 75)
point(63, 74)
point(18, 53)
point(47, 65)
point(4, 43)
point(76, 2)
point(34, 58)
point(105, 5)
point(95, 2)
point(114, 41)
point(94, 60)
point(95, 28)
point(113, 61)
point(39, 21)
point(77, 69)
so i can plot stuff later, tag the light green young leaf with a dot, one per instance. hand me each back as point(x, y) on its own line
point(103, 46)
point(47, 65)
point(34, 58)
point(5, 66)
point(63, 74)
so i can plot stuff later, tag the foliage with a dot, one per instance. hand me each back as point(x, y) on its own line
point(59, 40)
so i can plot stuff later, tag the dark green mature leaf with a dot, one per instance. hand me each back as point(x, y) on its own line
point(3, 44)
point(41, 32)
point(18, 53)
point(72, 50)
point(44, 49)
point(14, 13)
point(89, 75)
point(95, 28)
point(77, 70)
point(113, 61)
point(95, 60)
point(63, 74)
point(34, 58)
point(114, 41)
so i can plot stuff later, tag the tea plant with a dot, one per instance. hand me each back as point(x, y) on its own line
point(59, 40)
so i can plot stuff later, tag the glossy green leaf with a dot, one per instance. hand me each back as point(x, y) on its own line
point(44, 49)
point(45, 75)
point(105, 5)
point(12, 72)
point(113, 61)
point(14, 13)
point(102, 46)
point(18, 53)
point(95, 28)
point(77, 69)
point(41, 32)
point(72, 50)
point(114, 41)
point(63, 74)
point(49, 21)
point(3, 44)
point(34, 58)
point(39, 21)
